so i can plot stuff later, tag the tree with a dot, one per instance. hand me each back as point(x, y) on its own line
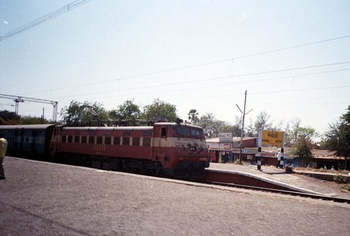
point(193, 116)
point(302, 149)
point(207, 121)
point(128, 112)
point(294, 126)
point(337, 138)
point(293, 131)
point(86, 113)
point(262, 121)
point(213, 127)
point(159, 111)
point(27, 120)
point(8, 118)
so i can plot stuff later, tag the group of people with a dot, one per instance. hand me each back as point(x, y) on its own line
point(3, 149)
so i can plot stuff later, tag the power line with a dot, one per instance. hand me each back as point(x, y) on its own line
point(44, 19)
point(203, 80)
point(237, 76)
point(233, 83)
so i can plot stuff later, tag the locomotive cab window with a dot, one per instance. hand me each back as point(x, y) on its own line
point(182, 131)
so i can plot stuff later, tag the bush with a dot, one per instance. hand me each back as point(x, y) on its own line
point(339, 179)
point(346, 187)
point(237, 162)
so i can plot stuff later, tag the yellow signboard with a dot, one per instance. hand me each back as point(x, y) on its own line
point(272, 137)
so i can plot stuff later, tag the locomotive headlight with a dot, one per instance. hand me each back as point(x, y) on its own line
point(191, 148)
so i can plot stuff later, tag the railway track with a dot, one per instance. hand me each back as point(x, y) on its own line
point(224, 178)
point(287, 192)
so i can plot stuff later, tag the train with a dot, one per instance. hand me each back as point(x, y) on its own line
point(166, 148)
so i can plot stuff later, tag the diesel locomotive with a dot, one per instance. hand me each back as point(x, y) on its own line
point(174, 149)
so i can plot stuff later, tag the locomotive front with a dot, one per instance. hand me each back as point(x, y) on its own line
point(182, 149)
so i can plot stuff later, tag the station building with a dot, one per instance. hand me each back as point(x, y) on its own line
point(229, 151)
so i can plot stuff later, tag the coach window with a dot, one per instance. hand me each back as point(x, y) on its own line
point(70, 138)
point(64, 138)
point(108, 140)
point(99, 140)
point(136, 141)
point(126, 141)
point(117, 140)
point(147, 142)
point(76, 139)
point(83, 139)
point(163, 132)
point(91, 139)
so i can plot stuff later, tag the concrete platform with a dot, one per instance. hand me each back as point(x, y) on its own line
point(296, 181)
point(39, 198)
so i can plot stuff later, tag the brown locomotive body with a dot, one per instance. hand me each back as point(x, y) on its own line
point(178, 150)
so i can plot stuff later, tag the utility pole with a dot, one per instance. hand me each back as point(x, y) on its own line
point(243, 118)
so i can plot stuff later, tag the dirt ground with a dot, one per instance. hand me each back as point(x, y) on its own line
point(49, 199)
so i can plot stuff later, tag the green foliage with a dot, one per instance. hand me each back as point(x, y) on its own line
point(238, 162)
point(262, 121)
point(212, 127)
point(302, 149)
point(84, 113)
point(8, 118)
point(11, 118)
point(346, 187)
point(338, 137)
point(128, 112)
point(159, 111)
point(193, 116)
point(31, 120)
point(339, 179)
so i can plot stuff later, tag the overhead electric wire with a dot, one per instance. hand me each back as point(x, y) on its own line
point(219, 78)
point(232, 83)
point(44, 19)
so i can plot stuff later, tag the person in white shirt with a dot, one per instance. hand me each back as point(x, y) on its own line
point(279, 155)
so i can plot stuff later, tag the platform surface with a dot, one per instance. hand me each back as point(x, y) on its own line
point(278, 175)
point(40, 198)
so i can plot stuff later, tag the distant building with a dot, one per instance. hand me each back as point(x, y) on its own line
point(229, 151)
point(326, 159)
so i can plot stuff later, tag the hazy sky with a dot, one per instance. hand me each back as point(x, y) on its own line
point(292, 57)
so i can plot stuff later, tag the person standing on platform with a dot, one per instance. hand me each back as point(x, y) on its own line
point(279, 155)
point(3, 149)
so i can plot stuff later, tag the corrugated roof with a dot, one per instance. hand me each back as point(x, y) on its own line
point(234, 139)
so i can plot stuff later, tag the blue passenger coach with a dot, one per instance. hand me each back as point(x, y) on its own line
point(28, 139)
